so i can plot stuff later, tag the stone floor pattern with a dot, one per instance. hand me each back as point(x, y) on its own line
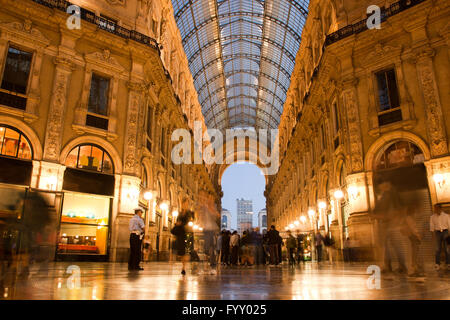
point(162, 281)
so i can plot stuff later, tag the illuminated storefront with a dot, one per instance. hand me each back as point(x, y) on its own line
point(86, 210)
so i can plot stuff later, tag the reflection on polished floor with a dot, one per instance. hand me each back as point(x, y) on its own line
point(162, 281)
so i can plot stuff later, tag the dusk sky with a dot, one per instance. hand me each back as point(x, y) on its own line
point(243, 180)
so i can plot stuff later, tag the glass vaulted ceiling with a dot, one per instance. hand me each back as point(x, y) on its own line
point(241, 55)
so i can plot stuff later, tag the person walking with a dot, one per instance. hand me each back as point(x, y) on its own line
point(318, 243)
point(234, 245)
point(265, 244)
point(257, 242)
point(225, 256)
point(390, 213)
point(410, 230)
point(180, 233)
point(273, 236)
point(439, 225)
point(136, 227)
point(291, 245)
point(300, 257)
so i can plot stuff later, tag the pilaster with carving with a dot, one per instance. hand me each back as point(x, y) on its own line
point(434, 116)
point(135, 108)
point(63, 73)
point(349, 98)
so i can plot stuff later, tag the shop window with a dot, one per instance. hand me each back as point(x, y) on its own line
point(400, 154)
point(98, 102)
point(90, 157)
point(14, 144)
point(15, 78)
point(388, 98)
point(84, 224)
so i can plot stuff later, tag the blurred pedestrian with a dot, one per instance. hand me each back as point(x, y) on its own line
point(136, 227)
point(439, 225)
point(273, 240)
point(291, 245)
point(300, 248)
point(183, 219)
point(266, 251)
point(225, 256)
point(390, 213)
point(409, 229)
point(234, 246)
point(318, 238)
point(257, 242)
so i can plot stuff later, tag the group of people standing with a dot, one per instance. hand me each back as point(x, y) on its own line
point(254, 248)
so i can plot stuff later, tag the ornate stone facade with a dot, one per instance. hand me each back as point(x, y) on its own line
point(149, 96)
point(332, 131)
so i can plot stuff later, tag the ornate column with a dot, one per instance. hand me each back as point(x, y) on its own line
point(433, 108)
point(51, 172)
point(136, 100)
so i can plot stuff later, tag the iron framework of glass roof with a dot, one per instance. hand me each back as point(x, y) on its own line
point(241, 55)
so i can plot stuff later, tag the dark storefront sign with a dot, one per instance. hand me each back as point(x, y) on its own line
point(15, 171)
point(88, 182)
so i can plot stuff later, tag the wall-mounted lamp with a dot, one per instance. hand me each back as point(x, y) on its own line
point(303, 219)
point(148, 195)
point(338, 194)
point(322, 205)
point(190, 224)
point(296, 222)
point(163, 206)
point(353, 192)
point(175, 213)
point(291, 226)
point(311, 213)
point(439, 179)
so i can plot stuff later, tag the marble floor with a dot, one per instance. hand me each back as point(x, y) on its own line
point(163, 281)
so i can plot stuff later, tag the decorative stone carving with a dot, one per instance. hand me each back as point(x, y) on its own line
point(435, 121)
point(131, 139)
point(116, 2)
point(349, 99)
point(58, 102)
point(24, 33)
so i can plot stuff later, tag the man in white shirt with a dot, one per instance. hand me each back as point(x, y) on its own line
point(136, 227)
point(439, 225)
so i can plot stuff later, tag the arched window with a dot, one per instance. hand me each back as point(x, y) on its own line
point(399, 154)
point(14, 143)
point(90, 157)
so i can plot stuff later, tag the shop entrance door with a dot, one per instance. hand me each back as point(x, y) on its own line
point(412, 186)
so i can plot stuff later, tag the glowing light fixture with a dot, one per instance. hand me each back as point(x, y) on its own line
point(296, 222)
point(291, 226)
point(322, 205)
point(338, 194)
point(190, 224)
point(163, 206)
point(311, 212)
point(303, 219)
point(148, 195)
point(439, 179)
point(175, 213)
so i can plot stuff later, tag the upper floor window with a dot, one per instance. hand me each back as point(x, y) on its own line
point(17, 70)
point(337, 118)
point(14, 144)
point(387, 90)
point(98, 102)
point(98, 99)
point(90, 157)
